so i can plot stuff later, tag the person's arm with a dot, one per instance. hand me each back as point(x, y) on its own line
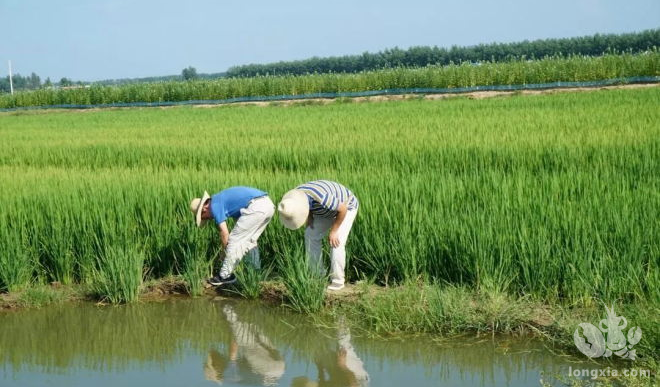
point(341, 214)
point(224, 234)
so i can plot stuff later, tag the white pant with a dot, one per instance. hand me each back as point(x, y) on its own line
point(353, 363)
point(314, 237)
point(253, 345)
point(243, 237)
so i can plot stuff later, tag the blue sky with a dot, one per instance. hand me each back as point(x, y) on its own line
point(105, 39)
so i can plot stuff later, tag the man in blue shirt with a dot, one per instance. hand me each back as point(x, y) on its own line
point(251, 208)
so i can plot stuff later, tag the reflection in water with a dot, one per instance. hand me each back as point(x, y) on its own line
point(242, 343)
point(339, 367)
point(252, 359)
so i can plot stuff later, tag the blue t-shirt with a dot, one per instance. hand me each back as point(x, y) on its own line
point(229, 202)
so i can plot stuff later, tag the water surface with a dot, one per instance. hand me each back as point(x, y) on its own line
point(205, 342)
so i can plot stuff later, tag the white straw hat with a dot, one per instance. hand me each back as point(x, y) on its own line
point(196, 206)
point(293, 209)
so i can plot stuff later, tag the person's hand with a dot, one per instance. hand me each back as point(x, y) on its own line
point(334, 239)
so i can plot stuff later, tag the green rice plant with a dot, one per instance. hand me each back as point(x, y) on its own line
point(554, 197)
point(17, 262)
point(305, 288)
point(56, 243)
point(197, 266)
point(194, 254)
point(249, 279)
point(118, 277)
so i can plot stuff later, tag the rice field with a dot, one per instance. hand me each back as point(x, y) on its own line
point(554, 196)
point(517, 72)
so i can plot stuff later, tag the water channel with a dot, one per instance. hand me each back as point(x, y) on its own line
point(206, 342)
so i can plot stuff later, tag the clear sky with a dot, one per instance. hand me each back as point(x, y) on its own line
point(104, 39)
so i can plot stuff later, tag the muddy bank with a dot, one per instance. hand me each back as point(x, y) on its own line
point(273, 293)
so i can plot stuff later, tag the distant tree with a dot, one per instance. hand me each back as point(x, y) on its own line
point(423, 56)
point(19, 82)
point(34, 82)
point(4, 85)
point(190, 73)
point(48, 83)
point(64, 82)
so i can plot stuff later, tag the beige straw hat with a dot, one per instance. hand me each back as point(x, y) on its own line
point(196, 206)
point(293, 209)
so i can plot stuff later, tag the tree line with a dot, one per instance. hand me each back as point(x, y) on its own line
point(188, 74)
point(420, 56)
point(32, 82)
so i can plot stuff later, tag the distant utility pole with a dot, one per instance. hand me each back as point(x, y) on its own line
point(11, 84)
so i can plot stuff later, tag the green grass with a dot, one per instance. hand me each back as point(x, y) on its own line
point(446, 309)
point(554, 69)
point(196, 255)
point(553, 197)
point(249, 279)
point(305, 288)
point(118, 277)
point(39, 296)
point(196, 269)
point(17, 261)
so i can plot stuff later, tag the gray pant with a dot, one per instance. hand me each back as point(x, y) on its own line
point(314, 237)
point(247, 230)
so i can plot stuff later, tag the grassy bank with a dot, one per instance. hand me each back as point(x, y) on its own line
point(411, 308)
point(448, 311)
point(519, 72)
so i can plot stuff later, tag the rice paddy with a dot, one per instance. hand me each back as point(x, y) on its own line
point(555, 197)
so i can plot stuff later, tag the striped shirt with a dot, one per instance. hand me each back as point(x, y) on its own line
point(325, 197)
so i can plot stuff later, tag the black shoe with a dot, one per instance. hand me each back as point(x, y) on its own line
point(219, 281)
